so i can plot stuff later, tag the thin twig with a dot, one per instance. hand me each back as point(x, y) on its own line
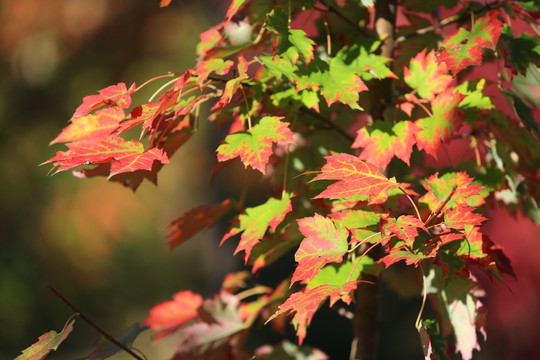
point(92, 324)
point(413, 203)
point(330, 124)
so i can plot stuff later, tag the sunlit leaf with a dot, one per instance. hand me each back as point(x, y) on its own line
point(46, 342)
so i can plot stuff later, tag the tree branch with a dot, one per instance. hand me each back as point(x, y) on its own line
point(92, 324)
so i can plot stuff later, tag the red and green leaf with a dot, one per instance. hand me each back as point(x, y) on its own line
point(256, 220)
point(382, 141)
point(355, 178)
point(426, 75)
point(404, 228)
point(254, 147)
point(445, 119)
point(457, 188)
point(46, 342)
point(167, 317)
point(325, 242)
point(464, 48)
point(196, 220)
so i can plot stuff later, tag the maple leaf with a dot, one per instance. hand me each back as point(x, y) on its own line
point(427, 76)
point(217, 65)
point(125, 156)
point(167, 317)
point(254, 146)
point(112, 96)
point(92, 126)
point(164, 3)
point(254, 223)
point(105, 348)
point(195, 220)
point(464, 48)
point(324, 243)
point(219, 320)
point(232, 85)
point(46, 342)
point(382, 141)
point(233, 9)
point(439, 127)
point(404, 227)
point(336, 81)
point(461, 216)
point(355, 177)
point(305, 303)
point(409, 257)
point(440, 189)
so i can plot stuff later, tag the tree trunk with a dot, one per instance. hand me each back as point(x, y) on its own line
point(366, 321)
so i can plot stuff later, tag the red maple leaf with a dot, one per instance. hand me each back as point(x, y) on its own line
point(195, 220)
point(168, 316)
point(461, 216)
point(254, 146)
point(382, 141)
point(305, 303)
point(92, 126)
point(464, 48)
point(114, 95)
point(324, 243)
point(355, 177)
point(124, 156)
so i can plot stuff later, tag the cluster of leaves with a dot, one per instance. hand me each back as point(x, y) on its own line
point(297, 109)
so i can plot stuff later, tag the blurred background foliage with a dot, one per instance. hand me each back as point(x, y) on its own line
point(98, 243)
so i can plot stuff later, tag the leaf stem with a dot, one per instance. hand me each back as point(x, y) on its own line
point(440, 206)
point(150, 80)
point(92, 324)
point(424, 296)
point(360, 259)
point(412, 202)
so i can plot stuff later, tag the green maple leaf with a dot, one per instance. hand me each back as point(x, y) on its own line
point(256, 220)
point(464, 48)
point(254, 146)
point(427, 76)
point(46, 342)
point(324, 243)
point(438, 128)
point(336, 81)
point(382, 141)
